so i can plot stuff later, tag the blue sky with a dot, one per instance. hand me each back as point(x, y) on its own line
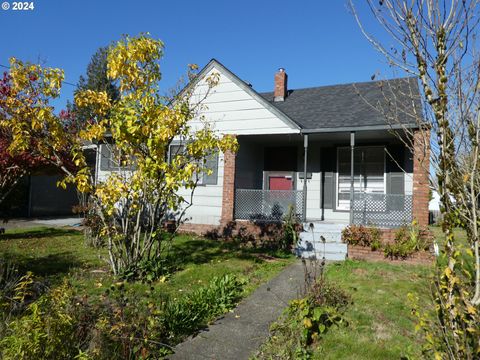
point(317, 42)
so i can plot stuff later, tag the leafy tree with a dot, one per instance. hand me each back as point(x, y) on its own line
point(436, 41)
point(95, 79)
point(131, 205)
point(13, 167)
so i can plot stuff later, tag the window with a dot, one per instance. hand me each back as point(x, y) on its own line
point(111, 159)
point(175, 150)
point(211, 163)
point(369, 173)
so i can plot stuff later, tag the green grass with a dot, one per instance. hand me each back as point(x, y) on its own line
point(53, 253)
point(380, 322)
point(49, 252)
point(460, 234)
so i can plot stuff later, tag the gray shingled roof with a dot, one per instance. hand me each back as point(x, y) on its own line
point(351, 105)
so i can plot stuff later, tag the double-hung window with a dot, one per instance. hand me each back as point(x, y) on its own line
point(369, 173)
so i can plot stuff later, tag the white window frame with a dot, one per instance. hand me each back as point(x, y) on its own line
point(199, 178)
point(346, 207)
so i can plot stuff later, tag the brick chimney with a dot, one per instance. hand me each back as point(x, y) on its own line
point(280, 90)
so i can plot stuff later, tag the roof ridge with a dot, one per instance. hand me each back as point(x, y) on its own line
point(344, 84)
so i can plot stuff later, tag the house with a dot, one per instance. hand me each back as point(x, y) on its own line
point(295, 152)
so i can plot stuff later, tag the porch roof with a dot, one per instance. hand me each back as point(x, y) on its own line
point(353, 106)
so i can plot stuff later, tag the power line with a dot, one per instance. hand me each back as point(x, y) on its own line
point(65, 82)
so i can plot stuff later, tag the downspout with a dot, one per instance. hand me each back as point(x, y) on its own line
point(305, 146)
point(352, 186)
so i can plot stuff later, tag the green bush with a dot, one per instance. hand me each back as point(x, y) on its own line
point(408, 240)
point(13, 291)
point(148, 270)
point(121, 324)
point(362, 236)
point(46, 331)
point(9, 280)
point(290, 230)
point(187, 314)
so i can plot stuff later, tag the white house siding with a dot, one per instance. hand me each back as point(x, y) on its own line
point(232, 110)
point(207, 205)
point(229, 109)
point(207, 200)
point(101, 175)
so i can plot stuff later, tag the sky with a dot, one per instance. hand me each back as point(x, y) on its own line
point(317, 42)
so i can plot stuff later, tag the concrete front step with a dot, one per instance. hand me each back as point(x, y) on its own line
point(321, 240)
point(329, 250)
point(323, 226)
point(328, 256)
point(314, 236)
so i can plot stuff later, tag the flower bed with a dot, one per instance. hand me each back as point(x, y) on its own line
point(356, 252)
point(409, 243)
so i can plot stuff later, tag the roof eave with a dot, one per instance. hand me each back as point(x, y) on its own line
point(360, 128)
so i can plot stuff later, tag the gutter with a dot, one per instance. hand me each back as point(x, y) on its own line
point(359, 128)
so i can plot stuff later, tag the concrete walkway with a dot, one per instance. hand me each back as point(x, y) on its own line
point(49, 222)
point(239, 334)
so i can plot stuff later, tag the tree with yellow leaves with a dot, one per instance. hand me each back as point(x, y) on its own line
point(130, 204)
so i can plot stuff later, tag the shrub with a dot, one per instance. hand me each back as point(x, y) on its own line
point(16, 292)
point(46, 331)
point(187, 314)
point(362, 236)
point(121, 324)
point(149, 270)
point(290, 229)
point(324, 293)
point(9, 279)
point(408, 240)
point(265, 235)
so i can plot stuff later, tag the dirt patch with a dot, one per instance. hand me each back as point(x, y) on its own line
point(381, 331)
point(360, 272)
point(382, 328)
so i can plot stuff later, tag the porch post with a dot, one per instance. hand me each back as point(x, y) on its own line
point(305, 146)
point(228, 195)
point(352, 184)
point(421, 167)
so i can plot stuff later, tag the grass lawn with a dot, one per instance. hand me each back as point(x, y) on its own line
point(53, 253)
point(380, 323)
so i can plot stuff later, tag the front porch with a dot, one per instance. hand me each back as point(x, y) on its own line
point(270, 172)
point(381, 210)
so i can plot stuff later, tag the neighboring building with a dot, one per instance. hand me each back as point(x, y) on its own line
point(38, 195)
point(280, 131)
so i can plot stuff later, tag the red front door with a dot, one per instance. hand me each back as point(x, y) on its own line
point(280, 183)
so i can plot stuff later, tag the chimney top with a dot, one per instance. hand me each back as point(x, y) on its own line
point(280, 89)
